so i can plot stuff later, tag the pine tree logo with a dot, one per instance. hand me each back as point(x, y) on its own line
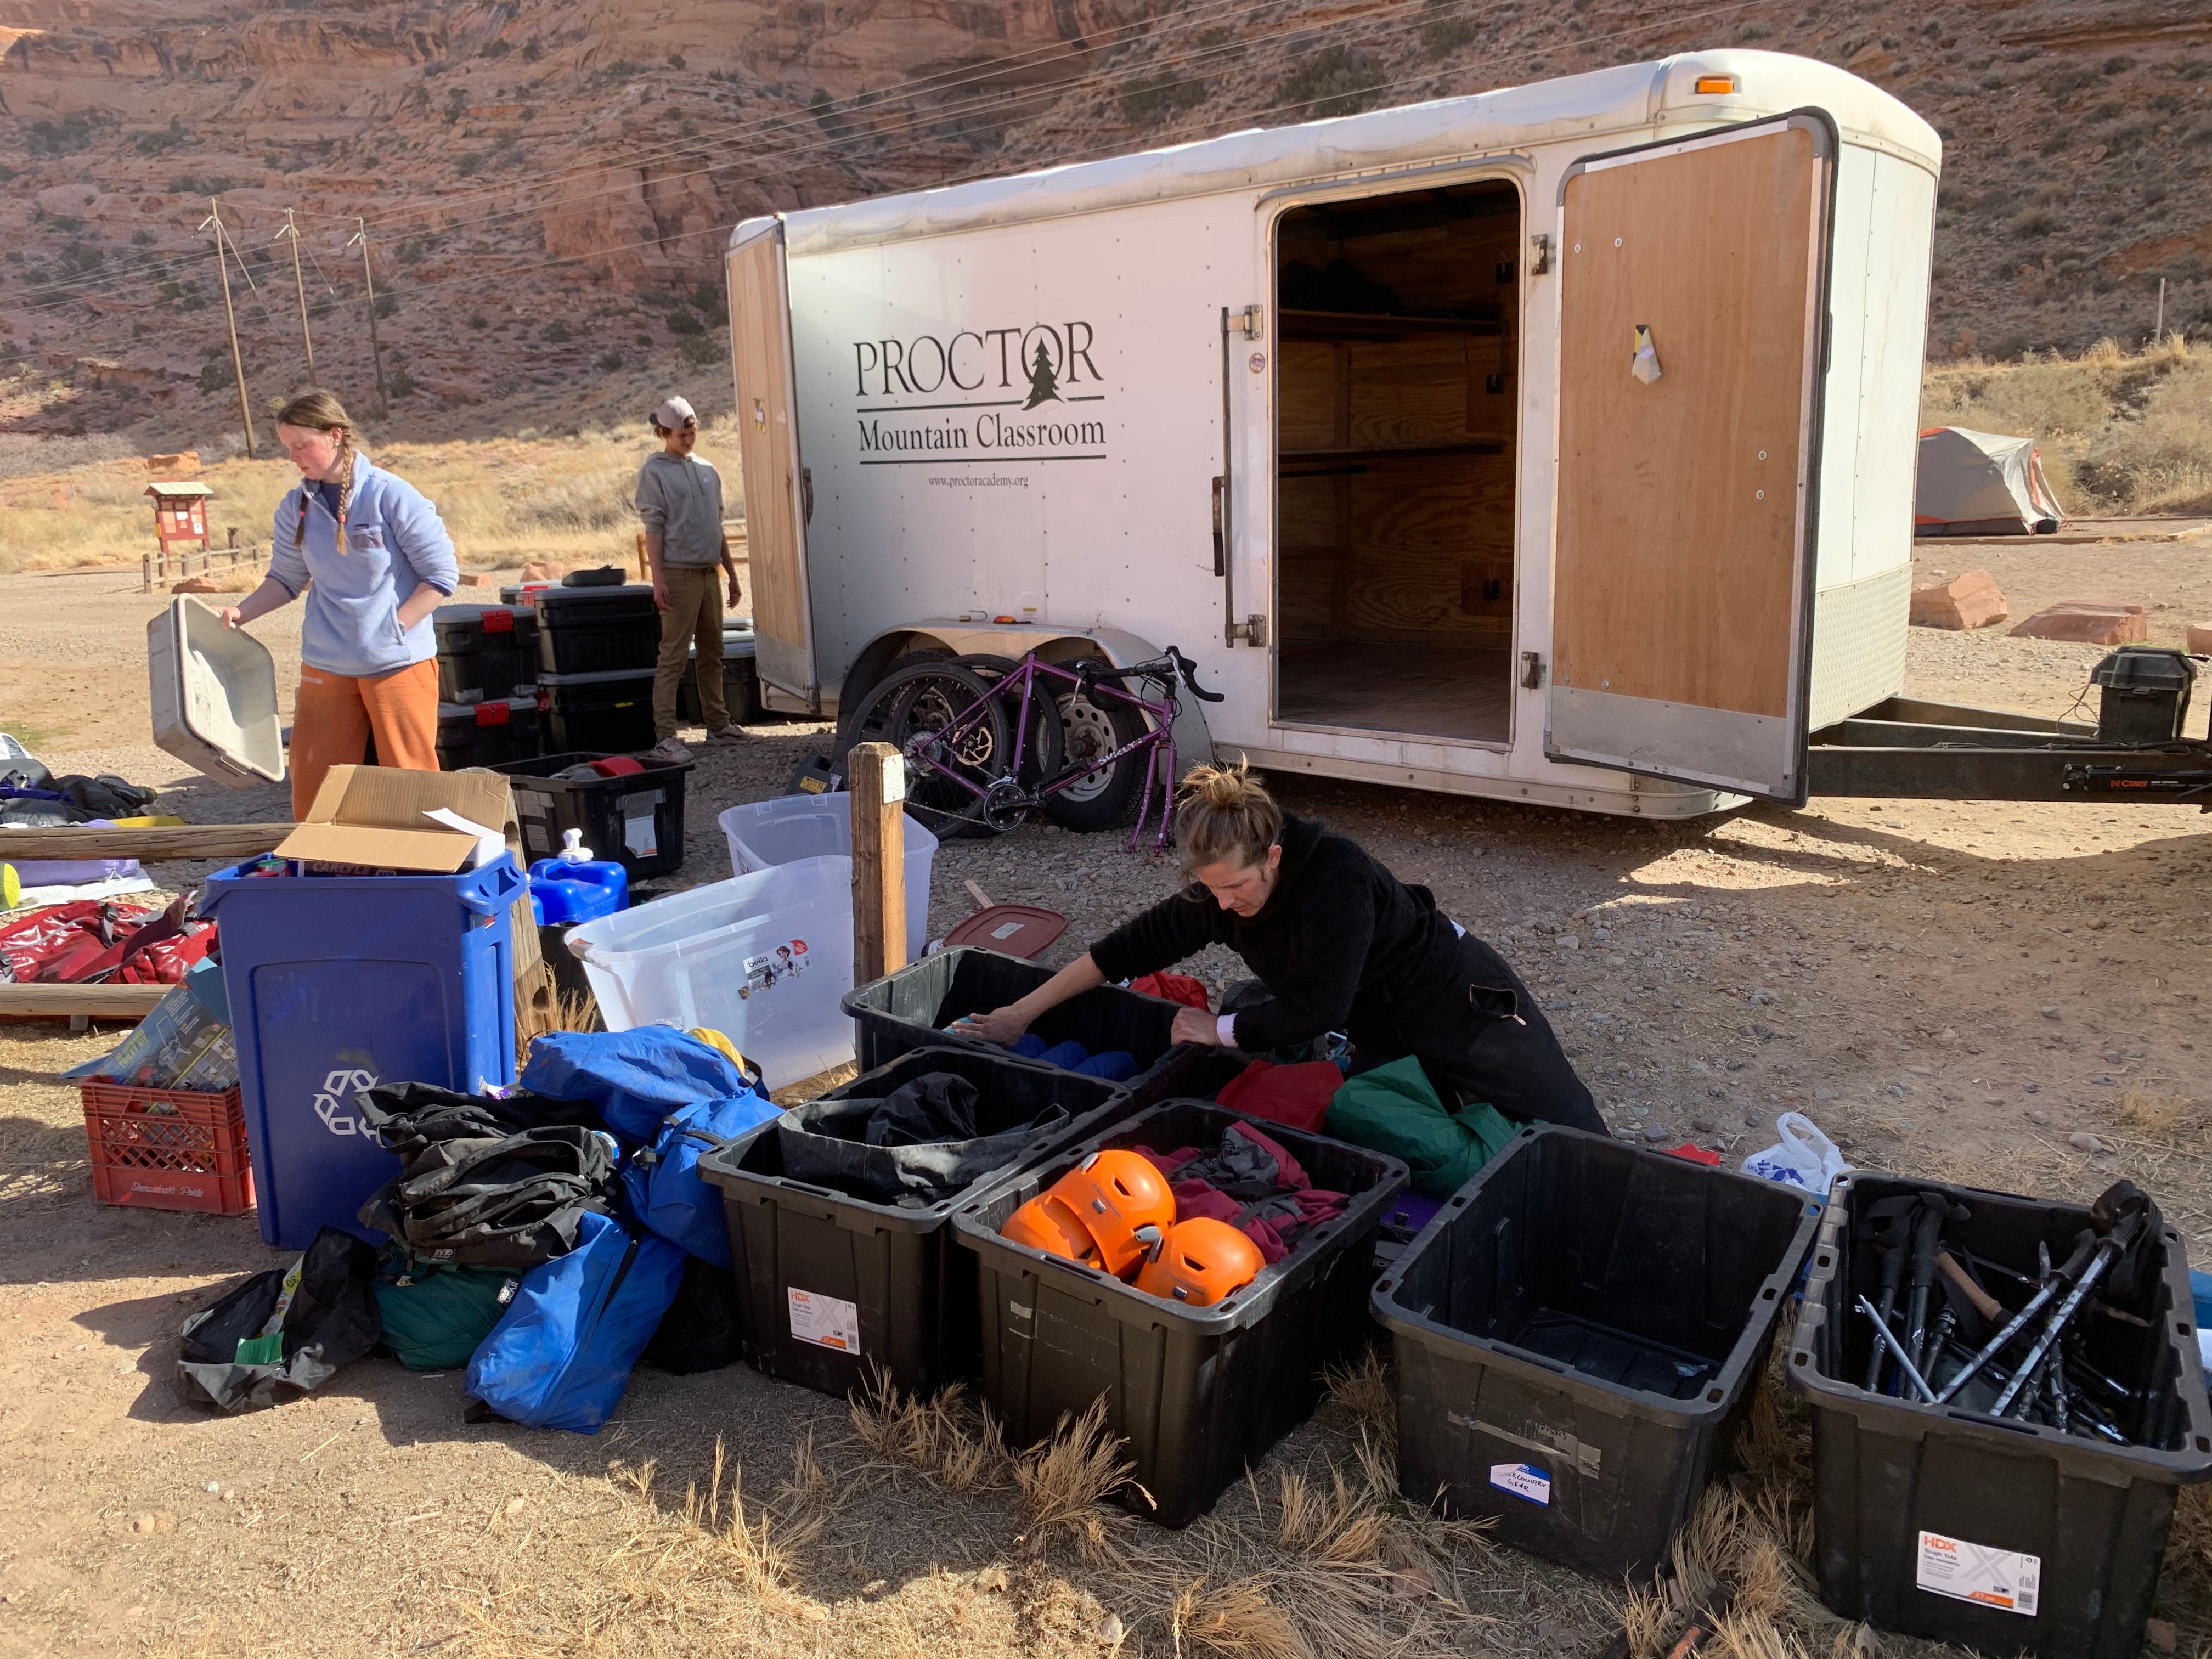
point(1044, 385)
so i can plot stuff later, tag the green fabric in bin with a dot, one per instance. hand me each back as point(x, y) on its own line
point(435, 1317)
point(1394, 1108)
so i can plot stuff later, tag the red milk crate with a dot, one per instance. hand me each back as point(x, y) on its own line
point(168, 1149)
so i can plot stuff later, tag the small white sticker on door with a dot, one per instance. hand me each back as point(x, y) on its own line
point(1523, 1480)
point(825, 1321)
point(1974, 1572)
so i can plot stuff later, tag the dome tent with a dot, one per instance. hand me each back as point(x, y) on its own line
point(1981, 483)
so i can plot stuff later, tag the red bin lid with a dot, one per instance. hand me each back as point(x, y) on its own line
point(1016, 930)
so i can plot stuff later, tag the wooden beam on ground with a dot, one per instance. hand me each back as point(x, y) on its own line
point(176, 841)
point(93, 1001)
point(876, 775)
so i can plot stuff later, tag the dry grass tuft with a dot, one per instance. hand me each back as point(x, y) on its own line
point(1365, 1391)
point(963, 1450)
point(1236, 1621)
point(1340, 1522)
point(1062, 1484)
point(1647, 1618)
point(2162, 1116)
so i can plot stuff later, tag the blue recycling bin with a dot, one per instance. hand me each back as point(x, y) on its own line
point(337, 983)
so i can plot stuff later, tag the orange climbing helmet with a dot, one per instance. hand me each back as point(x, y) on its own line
point(1047, 1225)
point(1122, 1201)
point(1198, 1262)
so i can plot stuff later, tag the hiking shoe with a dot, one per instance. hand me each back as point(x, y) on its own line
point(730, 737)
point(672, 751)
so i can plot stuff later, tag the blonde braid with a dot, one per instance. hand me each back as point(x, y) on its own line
point(344, 467)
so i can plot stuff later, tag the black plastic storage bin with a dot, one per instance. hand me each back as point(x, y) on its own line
point(597, 630)
point(488, 733)
point(1895, 1481)
point(636, 820)
point(491, 649)
point(912, 1006)
point(887, 1271)
point(611, 714)
point(1577, 1334)
point(1198, 1393)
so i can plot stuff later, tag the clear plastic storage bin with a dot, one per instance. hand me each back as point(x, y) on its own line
point(765, 958)
point(214, 691)
point(763, 834)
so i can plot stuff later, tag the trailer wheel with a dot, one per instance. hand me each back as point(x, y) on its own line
point(1044, 756)
point(861, 723)
point(1106, 799)
point(926, 699)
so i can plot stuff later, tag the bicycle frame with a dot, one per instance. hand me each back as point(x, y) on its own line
point(1159, 764)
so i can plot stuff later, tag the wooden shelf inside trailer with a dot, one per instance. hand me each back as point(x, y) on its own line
point(1334, 459)
point(1371, 326)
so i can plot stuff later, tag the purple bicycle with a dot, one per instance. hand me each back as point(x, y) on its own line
point(988, 741)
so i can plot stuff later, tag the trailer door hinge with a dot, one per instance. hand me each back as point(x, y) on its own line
point(1539, 254)
point(1532, 671)
point(1253, 630)
point(1253, 318)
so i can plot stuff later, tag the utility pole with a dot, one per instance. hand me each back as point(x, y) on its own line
point(291, 232)
point(230, 316)
point(360, 235)
point(2158, 330)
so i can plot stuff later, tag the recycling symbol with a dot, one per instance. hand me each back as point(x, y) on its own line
point(334, 1105)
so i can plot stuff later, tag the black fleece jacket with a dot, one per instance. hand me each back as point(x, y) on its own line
point(1342, 944)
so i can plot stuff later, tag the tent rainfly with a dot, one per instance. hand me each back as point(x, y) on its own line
point(1980, 483)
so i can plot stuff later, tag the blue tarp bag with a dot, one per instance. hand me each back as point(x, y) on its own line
point(662, 1184)
point(636, 1077)
point(559, 1356)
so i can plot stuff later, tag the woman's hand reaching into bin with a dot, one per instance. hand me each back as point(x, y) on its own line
point(1003, 1026)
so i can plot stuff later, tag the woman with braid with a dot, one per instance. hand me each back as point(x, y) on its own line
point(375, 561)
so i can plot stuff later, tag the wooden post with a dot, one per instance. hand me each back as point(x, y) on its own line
point(876, 774)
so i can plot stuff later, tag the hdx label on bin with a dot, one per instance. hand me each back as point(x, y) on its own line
point(1974, 1572)
point(825, 1321)
point(1523, 1480)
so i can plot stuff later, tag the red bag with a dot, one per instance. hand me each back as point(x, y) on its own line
point(1176, 987)
point(87, 942)
point(1298, 1096)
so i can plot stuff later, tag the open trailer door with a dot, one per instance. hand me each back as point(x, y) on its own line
point(767, 444)
point(1693, 299)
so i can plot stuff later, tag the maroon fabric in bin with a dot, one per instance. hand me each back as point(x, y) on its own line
point(1252, 1182)
point(1298, 1096)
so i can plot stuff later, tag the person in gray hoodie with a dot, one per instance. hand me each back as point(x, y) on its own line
point(679, 498)
point(374, 558)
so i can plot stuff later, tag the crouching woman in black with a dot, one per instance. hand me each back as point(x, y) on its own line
point(1340, 944)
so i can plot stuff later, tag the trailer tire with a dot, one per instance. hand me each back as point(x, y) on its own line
point(850, 724)
point(1045, 746)
point(1088, 728)
point(923, 697)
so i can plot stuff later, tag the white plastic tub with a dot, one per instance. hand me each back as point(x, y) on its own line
point(214, 691)
point(763, 834)
point(765, 958)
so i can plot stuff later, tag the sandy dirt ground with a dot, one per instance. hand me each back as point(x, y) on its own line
point(2011, 995)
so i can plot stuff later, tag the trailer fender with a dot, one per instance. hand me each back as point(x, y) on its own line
point(1194, 741)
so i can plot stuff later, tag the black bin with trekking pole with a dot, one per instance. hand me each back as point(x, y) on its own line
point(1959, 1519)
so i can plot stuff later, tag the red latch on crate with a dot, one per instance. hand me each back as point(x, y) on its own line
point(494, 713)
point(499, 621)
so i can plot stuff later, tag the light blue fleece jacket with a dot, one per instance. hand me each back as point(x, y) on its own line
point(395, 542)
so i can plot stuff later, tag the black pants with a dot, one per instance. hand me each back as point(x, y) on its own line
point(1487, 1040)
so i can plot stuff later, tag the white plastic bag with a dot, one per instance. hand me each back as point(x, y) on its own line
point(1802, 1158)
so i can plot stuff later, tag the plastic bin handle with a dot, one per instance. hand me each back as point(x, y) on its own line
point(500, 882)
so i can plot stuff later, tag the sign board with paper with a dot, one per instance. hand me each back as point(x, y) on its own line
point(376, 818)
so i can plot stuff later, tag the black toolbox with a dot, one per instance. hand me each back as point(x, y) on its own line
point(1918, 1506)
point(636, 818)
point(493, 733)
point(597, 630)
point(610, 714)
point(912, 1006)
point(490, 650)
point(1198, 1393)
point(1577, 1334)
point(885, 1273)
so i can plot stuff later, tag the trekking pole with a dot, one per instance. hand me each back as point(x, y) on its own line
point(1888, 1339)
point(1927, 1227)
point(2107, 1251)
point(1886, 1227)
point(2017, 1323)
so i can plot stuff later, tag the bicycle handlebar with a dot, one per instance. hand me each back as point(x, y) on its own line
point(1164, 668)
point(1189, 669)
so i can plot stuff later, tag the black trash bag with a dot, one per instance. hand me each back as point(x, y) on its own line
point(29, 812)
point(699, 1332)
point(332, 1320)
point(407, 1117)
point(104, 796)
point(927, 1149)
point(512, 1201)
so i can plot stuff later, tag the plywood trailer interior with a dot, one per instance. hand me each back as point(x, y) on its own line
point(1397, 321)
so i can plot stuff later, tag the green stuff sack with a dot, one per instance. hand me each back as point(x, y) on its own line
point(435, 1317)
point(1394, 1108)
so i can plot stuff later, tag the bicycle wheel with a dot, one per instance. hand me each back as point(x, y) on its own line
point(952, 732)
point(1091, 729)
point(863, 723)
point(1044, 752)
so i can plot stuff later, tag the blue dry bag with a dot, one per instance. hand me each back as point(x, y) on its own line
point(662, 1182)
point(636, 1077)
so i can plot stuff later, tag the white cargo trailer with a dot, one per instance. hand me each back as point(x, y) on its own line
point(1554, 443)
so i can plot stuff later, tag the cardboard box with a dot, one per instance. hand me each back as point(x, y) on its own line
point(371, 817)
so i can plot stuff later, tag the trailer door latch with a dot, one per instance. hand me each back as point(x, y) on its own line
point(1532, 671)
point(1252, 317)
point(1539, 254)
point(1253, 630)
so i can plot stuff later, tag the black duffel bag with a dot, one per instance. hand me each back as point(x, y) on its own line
point(509, 1201)
point(330, 1320)
point(407, 1117)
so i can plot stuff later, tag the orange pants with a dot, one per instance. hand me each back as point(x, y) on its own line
point(335, 712)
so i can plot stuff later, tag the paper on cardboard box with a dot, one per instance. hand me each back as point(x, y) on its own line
point(373, 818)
